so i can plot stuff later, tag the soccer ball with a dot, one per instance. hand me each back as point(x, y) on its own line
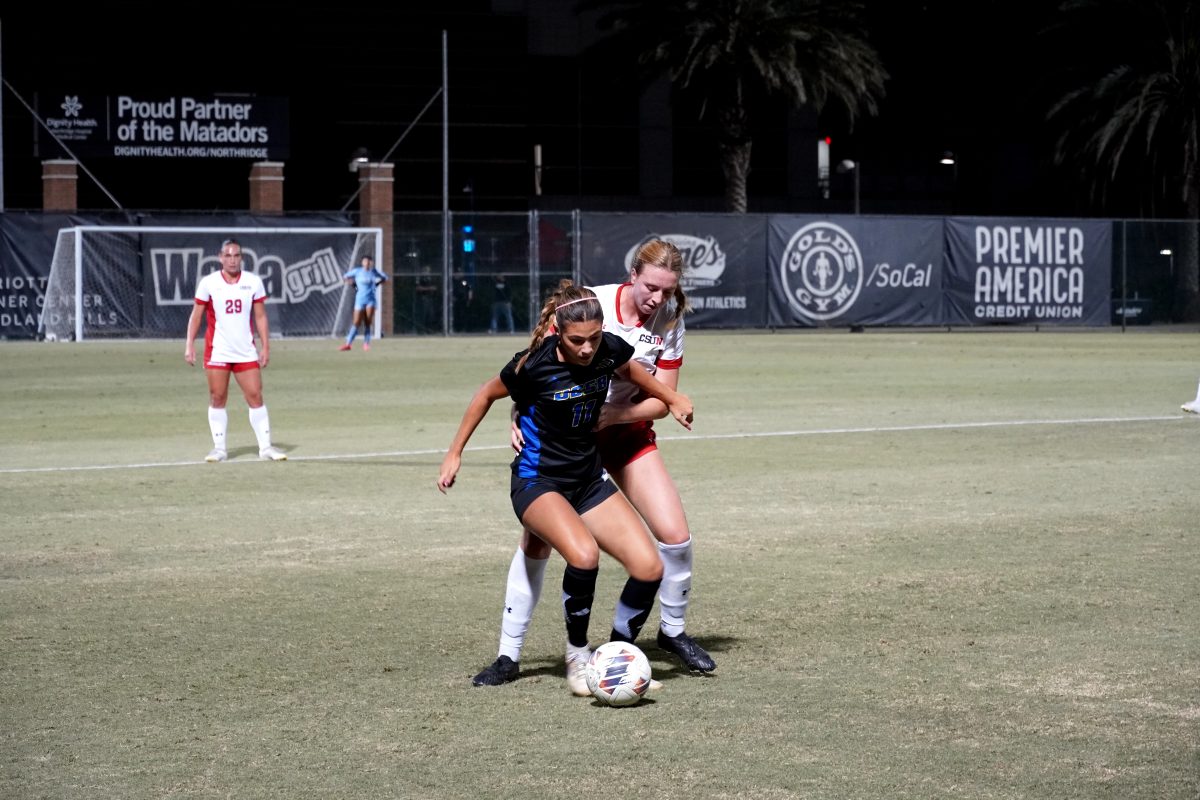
point(618, 674)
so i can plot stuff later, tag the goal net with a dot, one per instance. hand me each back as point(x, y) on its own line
point(140, 281)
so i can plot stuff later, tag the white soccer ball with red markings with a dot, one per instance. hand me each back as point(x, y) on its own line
point(618, 674)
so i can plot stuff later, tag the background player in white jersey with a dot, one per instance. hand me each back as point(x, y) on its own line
point(227, 300)
point(648, 313)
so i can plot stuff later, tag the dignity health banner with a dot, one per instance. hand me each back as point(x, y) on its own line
point(1047, 271)
point(723, 259)
point(840, 271)
point(176, 126)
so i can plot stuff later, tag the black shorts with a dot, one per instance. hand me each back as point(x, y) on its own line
point(583, 497)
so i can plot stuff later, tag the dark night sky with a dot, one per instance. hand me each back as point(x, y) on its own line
point(965, 77)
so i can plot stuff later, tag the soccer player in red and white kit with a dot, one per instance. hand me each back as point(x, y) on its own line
point(228, 300)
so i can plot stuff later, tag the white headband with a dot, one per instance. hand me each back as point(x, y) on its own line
point(569, 302)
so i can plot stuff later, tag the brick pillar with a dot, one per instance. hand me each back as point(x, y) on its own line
point(266, 187)
point(375, 206)
point(60, 185)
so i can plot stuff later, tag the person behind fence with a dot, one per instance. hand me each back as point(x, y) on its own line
point(425, 294)
point(558, 488)
point(647, 312)
point(365, 279)
point(501, 305)
point(228, 300)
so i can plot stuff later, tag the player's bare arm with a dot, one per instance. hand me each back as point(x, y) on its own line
point(679, 405)
point(193, 328)
point(264, 333)
point(477, 409)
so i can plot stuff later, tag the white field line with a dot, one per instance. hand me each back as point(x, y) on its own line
point(680, 438)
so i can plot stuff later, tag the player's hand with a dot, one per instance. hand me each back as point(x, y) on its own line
point(450, 465)
point(189, 355)
point(682, 410)
point(605, 417)
point(263, 358)
point(516, 438)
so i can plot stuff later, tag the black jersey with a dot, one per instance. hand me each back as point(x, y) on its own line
point(558, 404)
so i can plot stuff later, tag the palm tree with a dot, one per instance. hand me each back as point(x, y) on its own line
point(732, 54)
point(1133, 115)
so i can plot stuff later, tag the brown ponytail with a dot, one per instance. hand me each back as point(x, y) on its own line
point(560, 310)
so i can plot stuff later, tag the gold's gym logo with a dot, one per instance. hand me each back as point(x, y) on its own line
point(821, 271)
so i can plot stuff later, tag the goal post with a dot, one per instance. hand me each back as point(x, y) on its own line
point(131, 281)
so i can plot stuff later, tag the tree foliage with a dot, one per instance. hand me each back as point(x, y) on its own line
point(732, 55)
point(1132, 109)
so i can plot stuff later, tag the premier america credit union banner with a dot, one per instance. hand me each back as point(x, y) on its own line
point(723, 258)
point(1044, 271)
point(840, 271)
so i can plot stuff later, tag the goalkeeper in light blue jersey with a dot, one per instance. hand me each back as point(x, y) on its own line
point(365, 278)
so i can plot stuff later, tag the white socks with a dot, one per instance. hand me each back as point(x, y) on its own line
point(262, 426)
point(525, 576)
point(676, 584)
point(218, 423)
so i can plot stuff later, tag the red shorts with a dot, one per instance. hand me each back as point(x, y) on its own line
point(241, 366)
point(621, 445)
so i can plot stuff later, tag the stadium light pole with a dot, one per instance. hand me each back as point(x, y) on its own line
point(1, 117)
point(1170, 254)
point(856, 167)
point(948, 159)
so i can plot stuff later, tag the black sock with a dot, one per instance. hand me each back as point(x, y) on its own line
point(579, 589)
point(633, 609)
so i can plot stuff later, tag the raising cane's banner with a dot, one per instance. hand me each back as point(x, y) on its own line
point(1050, 271)
point(723, 258)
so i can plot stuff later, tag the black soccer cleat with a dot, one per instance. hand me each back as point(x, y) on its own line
point(499, 672)
point(691, 654)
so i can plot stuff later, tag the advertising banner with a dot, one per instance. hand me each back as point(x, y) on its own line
point(723, 258)
point(176, 126)
point(26, 249)
point(1045, 271)
point(140, 281)
point(842, 271)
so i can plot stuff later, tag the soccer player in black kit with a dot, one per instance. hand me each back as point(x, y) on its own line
point(558, 488)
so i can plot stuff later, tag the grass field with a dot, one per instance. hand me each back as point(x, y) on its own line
point(929, 565)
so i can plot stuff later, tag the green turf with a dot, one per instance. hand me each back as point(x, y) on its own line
point(929, 565)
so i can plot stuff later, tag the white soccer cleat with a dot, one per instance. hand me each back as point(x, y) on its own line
point(272, 454)
point(577, 671)
point(1192, 407)
point(215, 455)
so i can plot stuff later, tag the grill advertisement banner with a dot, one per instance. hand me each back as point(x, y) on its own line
point(722, 260)
point(140, 281)
point(1028, 271)
point(838, 271)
